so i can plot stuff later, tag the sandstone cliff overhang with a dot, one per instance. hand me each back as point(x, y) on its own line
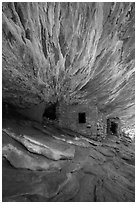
point(70, 52)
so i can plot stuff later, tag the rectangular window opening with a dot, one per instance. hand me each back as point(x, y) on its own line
point(114, 127)
point(82, 118)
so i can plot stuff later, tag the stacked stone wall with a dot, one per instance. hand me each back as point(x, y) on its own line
point(95, 125)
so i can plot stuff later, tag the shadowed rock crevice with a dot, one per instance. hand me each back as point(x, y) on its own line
point(19, 10)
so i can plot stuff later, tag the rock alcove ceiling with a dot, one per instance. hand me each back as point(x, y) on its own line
point(70, 52)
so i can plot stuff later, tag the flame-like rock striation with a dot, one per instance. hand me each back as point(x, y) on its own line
point(71, 52)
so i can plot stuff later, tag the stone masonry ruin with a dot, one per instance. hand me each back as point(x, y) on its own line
point(83, 118)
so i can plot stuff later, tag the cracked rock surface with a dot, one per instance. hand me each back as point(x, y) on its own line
point(92, 172)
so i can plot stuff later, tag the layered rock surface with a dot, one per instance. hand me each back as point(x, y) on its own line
point(96, 172)
point(70, 52)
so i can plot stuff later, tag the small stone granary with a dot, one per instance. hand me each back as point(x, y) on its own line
point(83, 118)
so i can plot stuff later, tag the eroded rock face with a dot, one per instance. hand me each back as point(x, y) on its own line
point(70, 52)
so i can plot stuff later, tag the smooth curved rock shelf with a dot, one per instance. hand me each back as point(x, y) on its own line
point(45, 146)
point(100, 172)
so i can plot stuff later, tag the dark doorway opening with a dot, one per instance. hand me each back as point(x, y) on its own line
point(113, 128)
point(82, 118)
point(50, 112)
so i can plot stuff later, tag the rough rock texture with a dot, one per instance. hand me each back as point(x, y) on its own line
point(98, 172)
point(70, 52)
